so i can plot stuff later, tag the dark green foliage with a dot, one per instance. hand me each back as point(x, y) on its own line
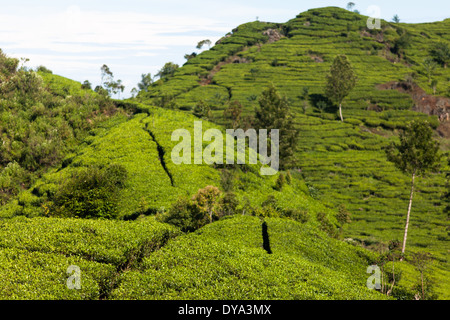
point(202, 110)
point(424, 285)
point(184, 214)
point(281, 181)
point(146, 82)
point(429, 66)
point(343, 216)
point(166, 101)
point(233, 114)
point(340, 81)
point(101, 91)
point(190, 56)
point(441, 53)
point(297, 215)
point(326, 225)
point(167, 71)
point(274, 113)
point(402, 43)
point(91, 193)
point(229, 204)
point(12, 179)
point(288, 177)
point(86, 85)
point(417, 152)
point(227, 180)
point(43, 70)
point(203, 43)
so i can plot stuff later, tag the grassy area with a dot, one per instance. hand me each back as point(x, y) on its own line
point(226, 260)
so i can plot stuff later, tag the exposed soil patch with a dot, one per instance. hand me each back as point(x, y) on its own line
point(425, 103)
point(204, 81)
point(273, 34)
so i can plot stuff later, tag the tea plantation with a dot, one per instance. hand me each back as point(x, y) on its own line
point(113, 164)
point(344, 162)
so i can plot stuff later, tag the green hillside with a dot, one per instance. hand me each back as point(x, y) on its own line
point(346, 161)
point(89, 181)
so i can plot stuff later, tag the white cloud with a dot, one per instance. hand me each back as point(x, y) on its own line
point(79, 31)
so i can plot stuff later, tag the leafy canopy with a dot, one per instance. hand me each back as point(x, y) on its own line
point(341, 79)
point(417, 152)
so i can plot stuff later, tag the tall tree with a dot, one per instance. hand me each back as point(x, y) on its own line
point(146, 81)
point(106, 74)
point(167, 71)
point(86, 85)
point(208, 201)
point(274, 113)
point(340, 81)
point(233, 113)
point(441, 53)
point(203, 43)
point(190, 56)
point(350, 6)
point(396, 19)
point(416, 154)
point(429, 65)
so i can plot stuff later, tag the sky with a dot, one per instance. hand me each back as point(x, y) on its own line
point(74, 38)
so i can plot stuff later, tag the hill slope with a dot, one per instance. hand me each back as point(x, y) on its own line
point(344, 161)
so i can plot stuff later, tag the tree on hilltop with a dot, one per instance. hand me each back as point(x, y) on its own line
point(146, 81)
point(167, 71)
point(396, 19)
point(202, 43)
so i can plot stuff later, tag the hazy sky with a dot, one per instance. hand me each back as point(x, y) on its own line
point(75, 38)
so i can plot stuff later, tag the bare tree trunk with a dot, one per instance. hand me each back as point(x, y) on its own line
point(423, 292)
point(408, 215)
point(340, 112)
point(393, 280)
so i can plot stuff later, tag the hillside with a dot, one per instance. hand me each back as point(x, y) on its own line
point(89, 181)
point(346, 161)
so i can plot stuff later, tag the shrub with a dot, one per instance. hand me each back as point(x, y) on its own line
point(343, 216)
point(43, 69)
point(227, 180)
point(288, 177)
point(297, 215)
point(281, 181)
point(229, 204)
point(185, 214)
point(91, 193)
point(325, 224)
point(207, 200)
